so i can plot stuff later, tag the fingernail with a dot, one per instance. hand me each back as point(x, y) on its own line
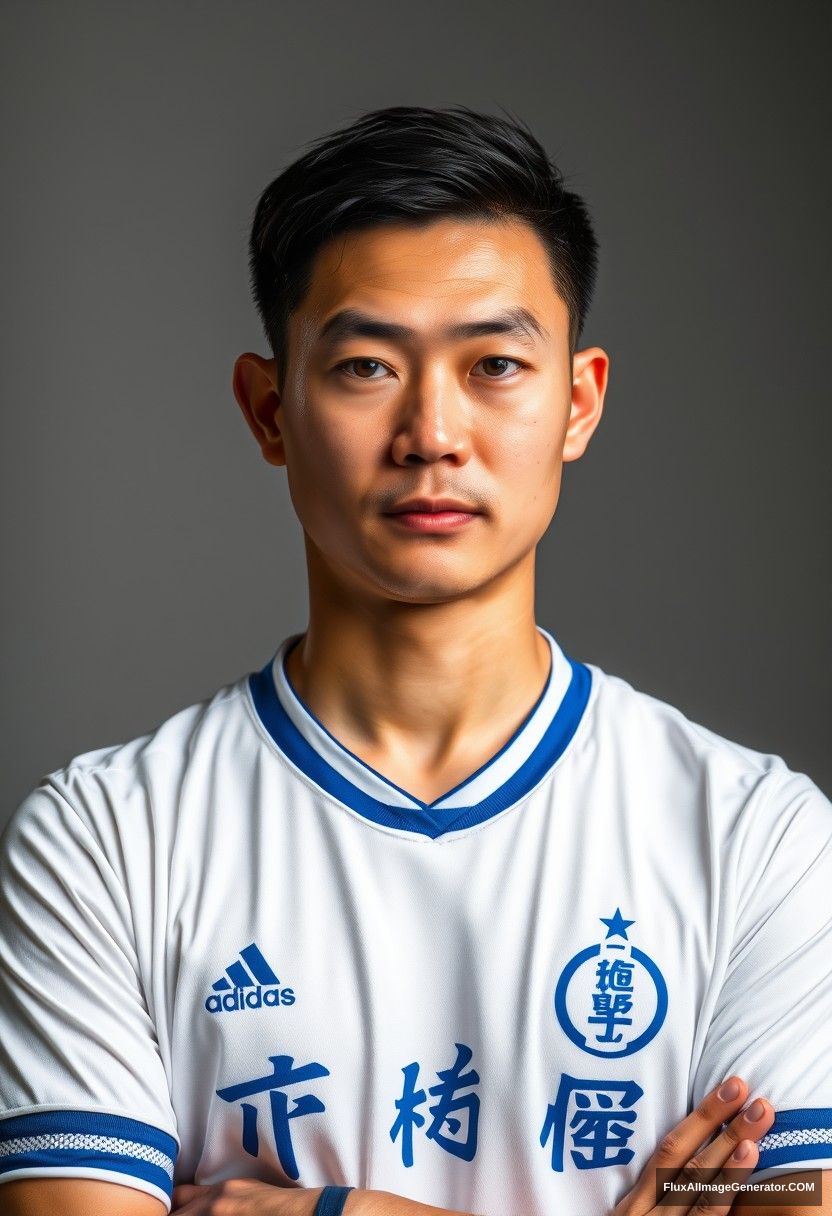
point(755, 1111)
point(728, 1091)
point(741, 1151)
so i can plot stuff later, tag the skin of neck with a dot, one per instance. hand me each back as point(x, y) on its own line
point(438, 687)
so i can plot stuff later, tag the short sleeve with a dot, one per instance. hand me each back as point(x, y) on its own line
point(83, 1090)
point(772, 1018)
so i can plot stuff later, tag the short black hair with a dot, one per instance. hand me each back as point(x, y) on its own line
point(414, 165)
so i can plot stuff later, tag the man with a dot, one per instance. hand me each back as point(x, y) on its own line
point(425, 907)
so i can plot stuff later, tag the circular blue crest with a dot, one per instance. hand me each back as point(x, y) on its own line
point(571, 1029)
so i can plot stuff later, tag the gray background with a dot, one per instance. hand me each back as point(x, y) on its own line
point(150, 555)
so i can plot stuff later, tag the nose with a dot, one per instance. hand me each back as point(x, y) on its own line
point(434, 424)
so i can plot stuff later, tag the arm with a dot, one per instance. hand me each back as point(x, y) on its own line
point(382, 1203)
point(770, 1017)
point(78, 1197)
point(75, 1197)
point(715, 1117)
point(83, 1090)
point(249, 1197)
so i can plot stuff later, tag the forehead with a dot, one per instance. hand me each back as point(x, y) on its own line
point(424, 277)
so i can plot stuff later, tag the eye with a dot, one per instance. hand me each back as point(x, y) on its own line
point(373, 363)
point(501, 359)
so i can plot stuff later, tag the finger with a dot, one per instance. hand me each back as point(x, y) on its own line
point(689, 1199)
point(710, 1164)
point(719, 1200)
point(741, 1164)
point(750, 1124)
point(199, 1205)
point(682, 1141)
point(677, 1147)
point(184, 1193)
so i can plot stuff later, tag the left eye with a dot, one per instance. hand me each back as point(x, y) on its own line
point(499, 359)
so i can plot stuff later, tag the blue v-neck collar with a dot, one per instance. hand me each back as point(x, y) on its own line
point(503, 780)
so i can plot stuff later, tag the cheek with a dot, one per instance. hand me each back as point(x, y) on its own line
point(351, 454)
point(328, 466)
point(526, 461)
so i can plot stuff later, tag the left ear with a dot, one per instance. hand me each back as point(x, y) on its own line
point(590, 369)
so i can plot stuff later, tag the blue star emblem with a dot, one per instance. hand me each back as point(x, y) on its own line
point(616, 925)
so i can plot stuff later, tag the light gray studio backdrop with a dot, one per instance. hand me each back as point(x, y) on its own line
point(150, 555)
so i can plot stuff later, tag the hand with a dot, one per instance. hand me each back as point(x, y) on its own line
point(244, 1197)
point(681, 1151)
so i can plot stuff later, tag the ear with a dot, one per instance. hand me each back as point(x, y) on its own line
point(255, 387)
point(590, 369)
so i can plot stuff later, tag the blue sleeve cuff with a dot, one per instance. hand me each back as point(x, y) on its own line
point(90, 1143)
point(800, 1137)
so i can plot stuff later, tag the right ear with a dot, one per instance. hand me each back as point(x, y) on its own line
point(255, 387)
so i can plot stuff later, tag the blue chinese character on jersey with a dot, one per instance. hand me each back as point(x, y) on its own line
point(449, 1105)
point(600, 1124)
point(611, 998)
point(274, 1084)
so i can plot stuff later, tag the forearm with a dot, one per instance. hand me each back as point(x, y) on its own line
point(383, 1203)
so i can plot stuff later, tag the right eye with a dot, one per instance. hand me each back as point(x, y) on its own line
point(372, 363)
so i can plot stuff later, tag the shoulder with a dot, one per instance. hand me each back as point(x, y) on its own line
point(129, 792)
point(629, 712)
point(737, 788)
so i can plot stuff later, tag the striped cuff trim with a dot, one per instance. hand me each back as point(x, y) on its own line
point(797, 1136)
point(83, 1140)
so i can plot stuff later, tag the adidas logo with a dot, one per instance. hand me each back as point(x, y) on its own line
point(249, 984)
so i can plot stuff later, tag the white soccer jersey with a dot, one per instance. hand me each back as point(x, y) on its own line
point(231, 948)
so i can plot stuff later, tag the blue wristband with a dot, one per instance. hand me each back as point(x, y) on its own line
point(331, 1200)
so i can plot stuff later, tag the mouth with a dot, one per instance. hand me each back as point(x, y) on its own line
point(432, 515)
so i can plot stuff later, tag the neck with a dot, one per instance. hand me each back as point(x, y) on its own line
point(434, 688)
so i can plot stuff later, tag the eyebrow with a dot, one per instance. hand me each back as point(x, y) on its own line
point(351, 323)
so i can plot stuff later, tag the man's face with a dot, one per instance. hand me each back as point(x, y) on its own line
point(394, 404)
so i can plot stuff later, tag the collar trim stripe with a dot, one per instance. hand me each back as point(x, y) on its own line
point(473, 788)
point(396, 808)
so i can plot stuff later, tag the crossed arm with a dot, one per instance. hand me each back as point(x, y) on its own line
point(80, 1197)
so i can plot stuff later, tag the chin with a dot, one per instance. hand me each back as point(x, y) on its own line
point(427, 587)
